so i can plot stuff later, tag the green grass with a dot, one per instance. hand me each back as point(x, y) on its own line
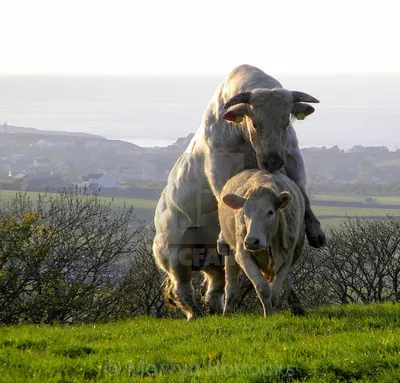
point(352, 211)
point(334, 344)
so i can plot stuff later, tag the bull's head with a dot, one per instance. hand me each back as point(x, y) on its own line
point(268, 116)
point(261, 215)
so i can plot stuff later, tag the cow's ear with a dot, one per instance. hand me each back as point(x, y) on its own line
point(284, 199)
point(233, 201)
point(236, 113)
point(301, 110)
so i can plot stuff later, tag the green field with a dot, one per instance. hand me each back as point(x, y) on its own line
point(390, 200)
point(333, 344)
point(144, 208)
point(352, 211)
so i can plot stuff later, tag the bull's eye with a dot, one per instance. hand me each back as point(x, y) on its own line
point(255, 125)
point(270, 213)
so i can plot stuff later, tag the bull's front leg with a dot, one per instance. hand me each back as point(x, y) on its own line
point(220, 166)
point(296, 171)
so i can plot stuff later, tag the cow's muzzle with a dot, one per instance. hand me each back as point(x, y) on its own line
point(253, 244)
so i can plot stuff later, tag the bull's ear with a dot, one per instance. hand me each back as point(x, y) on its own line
point(236, 113)
point(301, 111)
point(284, 199)
point(233, 201)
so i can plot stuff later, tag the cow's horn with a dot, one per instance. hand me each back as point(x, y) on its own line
point(303, 97)
point(240, 98)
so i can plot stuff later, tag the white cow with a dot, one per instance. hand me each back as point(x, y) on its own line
point(255, 132)
point(262, 218)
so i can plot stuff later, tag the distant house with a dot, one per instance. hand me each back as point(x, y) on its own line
point(41, 162)
point(44, 144)
point(105, 180)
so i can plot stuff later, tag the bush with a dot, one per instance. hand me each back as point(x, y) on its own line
point(360, 264)
point(63, 258)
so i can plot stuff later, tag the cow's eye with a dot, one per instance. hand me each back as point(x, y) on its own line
point(255, 126)
point(270, 213)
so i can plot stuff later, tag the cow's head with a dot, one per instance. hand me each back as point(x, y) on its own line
point(261, 215)
point(267, 117)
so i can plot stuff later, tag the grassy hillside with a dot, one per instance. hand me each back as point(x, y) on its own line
point(333, 344)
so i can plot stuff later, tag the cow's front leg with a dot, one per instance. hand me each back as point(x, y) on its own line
point(245, 260)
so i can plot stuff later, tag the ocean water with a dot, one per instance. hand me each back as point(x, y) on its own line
point(155, 111)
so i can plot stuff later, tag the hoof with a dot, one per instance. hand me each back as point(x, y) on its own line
point(298, 311)
point(317, 241)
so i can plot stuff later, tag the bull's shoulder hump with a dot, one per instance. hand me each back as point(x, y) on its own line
point(247, 77)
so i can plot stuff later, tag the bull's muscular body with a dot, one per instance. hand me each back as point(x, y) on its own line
point(254, 133)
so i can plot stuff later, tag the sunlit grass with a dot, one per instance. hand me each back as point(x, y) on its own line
point(343, 343)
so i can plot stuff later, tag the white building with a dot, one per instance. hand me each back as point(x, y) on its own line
point(105, 180)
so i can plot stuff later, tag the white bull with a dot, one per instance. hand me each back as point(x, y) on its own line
point(255, 132)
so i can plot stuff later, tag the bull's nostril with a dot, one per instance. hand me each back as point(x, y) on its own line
point(251, 242)
point(272, 163)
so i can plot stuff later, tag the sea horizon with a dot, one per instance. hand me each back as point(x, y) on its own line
point(156, 111)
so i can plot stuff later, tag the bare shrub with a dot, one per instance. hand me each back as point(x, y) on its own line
point(59, 257)
point(360, 264)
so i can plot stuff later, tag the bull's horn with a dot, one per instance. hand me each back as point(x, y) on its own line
point(303, 97)
point(240, 98)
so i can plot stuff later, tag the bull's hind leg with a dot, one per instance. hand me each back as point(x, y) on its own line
point(222, 246)
point(293, 300)
point(232, 285)
point(215, 288)
point(180, 273)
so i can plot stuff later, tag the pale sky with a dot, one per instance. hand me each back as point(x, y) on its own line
point(204, 36)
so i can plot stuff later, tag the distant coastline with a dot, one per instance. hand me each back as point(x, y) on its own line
point(354, 110)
